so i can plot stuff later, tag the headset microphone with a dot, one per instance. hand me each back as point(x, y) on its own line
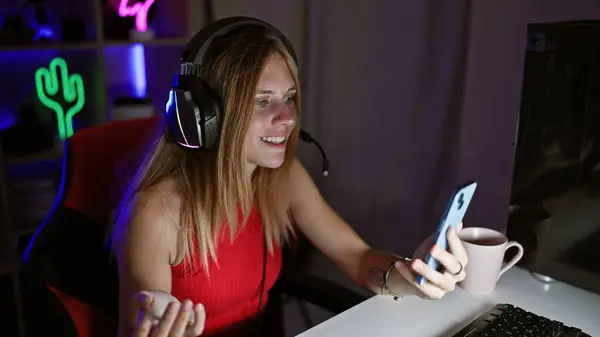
point(305, 136)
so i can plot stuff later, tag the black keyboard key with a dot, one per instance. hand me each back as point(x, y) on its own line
point(508, 320)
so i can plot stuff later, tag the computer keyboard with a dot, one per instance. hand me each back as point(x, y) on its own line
point(506, 320)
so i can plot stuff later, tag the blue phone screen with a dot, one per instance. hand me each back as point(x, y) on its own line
point(453, 215)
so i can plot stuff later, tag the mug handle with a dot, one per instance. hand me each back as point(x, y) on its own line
point(514, 260)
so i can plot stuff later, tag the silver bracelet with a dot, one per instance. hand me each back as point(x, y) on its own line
point(386, 275)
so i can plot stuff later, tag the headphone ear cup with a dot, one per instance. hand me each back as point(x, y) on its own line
point(210, 106)
point(181, 120)
point(193, 115)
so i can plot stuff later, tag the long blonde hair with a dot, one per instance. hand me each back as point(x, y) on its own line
point(214, 185)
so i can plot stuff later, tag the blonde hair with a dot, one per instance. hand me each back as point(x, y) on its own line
point(214, 186)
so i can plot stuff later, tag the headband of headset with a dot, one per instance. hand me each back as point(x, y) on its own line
point(196, 48)
point(194, 109)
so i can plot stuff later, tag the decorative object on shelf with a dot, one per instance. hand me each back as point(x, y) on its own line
point(38, 17)
point(48, 81)
point(141, 32)
point(129, 19)
point(131, 108)
point(34, 22)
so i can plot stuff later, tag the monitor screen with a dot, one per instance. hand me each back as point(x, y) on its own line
point(555, 197)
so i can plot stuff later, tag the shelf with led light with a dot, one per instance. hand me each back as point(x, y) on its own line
point(112, 61)
point(102, 62)
point(92, 45)
point(51, 46)
point(154, 43)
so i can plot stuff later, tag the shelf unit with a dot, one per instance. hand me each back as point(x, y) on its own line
point(106, 66)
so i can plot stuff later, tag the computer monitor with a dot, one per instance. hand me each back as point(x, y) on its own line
point(555, 196)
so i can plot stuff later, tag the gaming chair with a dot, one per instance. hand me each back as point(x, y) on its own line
point(70, 284)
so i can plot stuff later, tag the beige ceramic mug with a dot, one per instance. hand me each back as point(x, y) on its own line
point(486, 249)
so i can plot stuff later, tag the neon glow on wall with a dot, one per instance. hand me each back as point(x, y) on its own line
point(137, 66)
point(139, 10)
point(48, 82)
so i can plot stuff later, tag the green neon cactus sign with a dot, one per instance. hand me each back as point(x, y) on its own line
point(49, 81)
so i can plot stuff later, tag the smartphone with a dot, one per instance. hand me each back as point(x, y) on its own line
point(453, 215)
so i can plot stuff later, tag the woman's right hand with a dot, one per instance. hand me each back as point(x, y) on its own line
point(162, 315)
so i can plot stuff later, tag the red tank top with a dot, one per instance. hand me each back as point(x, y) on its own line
point(231, 294)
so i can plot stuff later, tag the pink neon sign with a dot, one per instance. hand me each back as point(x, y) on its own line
point(139, 10)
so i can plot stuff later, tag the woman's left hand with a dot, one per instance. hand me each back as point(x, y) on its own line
point(438, 284)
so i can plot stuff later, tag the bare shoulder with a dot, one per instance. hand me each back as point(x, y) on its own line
point(151, 219)
point(161, 202)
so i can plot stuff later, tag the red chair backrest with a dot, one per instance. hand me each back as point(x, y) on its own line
point(68, 256)
point(96, 154)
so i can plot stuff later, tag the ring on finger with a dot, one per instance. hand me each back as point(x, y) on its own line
point(459, 270)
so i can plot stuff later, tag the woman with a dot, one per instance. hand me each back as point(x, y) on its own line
point(195, 225)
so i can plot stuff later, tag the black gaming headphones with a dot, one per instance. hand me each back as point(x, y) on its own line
point(193, 111)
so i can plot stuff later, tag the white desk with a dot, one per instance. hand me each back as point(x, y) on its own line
point(381, 316)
